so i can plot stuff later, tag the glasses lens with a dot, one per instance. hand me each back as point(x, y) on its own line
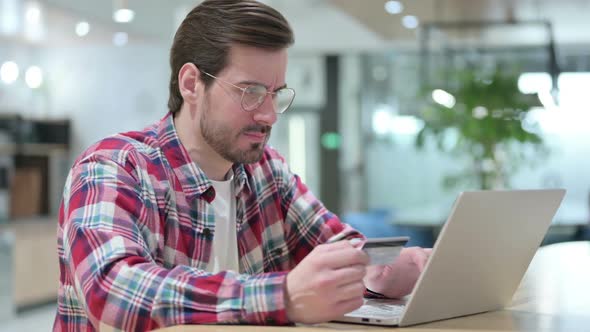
point(253, 97)
point(283, 99)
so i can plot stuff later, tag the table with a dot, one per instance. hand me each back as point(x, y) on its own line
point(553, 296)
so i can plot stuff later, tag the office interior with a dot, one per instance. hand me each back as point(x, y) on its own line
point(365, 131)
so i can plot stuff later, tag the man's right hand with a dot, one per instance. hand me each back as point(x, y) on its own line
point(326, 284)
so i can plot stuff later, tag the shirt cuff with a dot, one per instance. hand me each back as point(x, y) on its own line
point(264, 300)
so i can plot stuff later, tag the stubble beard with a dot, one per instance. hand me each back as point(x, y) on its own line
point(223, 141)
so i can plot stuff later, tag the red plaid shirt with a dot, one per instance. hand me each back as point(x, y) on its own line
point(136, 229)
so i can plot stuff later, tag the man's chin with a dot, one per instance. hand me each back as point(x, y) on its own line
point(254, 154)
point(250, 155)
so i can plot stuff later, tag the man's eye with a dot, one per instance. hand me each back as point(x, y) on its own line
point(256, 90)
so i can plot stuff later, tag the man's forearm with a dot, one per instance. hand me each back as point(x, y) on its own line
point(144, 296)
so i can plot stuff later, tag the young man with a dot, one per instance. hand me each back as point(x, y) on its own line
point(194, 219)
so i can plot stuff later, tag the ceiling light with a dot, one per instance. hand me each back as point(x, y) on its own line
point(82, 29)
point(120, 39)
point(34, 77)
point(410, 22)
point(394, 7)
point(121, 12)
point(34, 29)
point(9, 72)
point(123, 15)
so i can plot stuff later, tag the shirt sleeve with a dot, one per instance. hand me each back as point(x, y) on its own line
point(116, 279)
point(308, 222)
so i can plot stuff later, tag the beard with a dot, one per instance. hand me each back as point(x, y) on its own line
point(224, 140)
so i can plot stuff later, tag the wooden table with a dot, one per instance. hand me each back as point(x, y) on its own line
point(553, 296)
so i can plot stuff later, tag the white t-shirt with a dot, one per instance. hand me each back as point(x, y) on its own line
point(225, 241)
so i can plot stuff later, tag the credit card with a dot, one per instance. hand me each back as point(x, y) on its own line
point(385, 250)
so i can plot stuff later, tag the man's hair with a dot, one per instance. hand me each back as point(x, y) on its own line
point(210, 29)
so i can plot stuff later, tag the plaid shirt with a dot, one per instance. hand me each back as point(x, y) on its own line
point(136, 232)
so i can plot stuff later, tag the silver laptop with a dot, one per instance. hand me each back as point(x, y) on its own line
point(478, 261)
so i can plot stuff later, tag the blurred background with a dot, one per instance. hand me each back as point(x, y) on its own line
point(400, 106)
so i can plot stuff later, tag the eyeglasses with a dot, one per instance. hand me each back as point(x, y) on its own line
point(254, 95)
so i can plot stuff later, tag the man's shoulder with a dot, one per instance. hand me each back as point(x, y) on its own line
point(123, 146)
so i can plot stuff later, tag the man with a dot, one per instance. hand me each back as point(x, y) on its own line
point(194, 219)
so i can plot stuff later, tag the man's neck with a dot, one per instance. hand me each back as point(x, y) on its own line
point(214, 166)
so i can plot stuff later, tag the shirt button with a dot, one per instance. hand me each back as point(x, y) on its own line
point(209, 195)
point(207, 232)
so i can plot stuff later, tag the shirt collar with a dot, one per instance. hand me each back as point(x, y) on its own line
point(193, 180)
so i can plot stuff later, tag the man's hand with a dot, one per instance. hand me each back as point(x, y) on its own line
point(397, 279)
point(326, 284)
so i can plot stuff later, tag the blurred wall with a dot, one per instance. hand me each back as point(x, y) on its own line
point(105, 90)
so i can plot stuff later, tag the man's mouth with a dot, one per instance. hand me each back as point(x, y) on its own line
point(257, 133)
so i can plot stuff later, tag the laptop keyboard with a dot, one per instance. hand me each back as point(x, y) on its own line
point(378, 310)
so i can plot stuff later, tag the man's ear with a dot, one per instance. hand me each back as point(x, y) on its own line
point(189, 83)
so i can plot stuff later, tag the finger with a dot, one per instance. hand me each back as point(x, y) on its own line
point(349, 274)
point(374, 271)
point(350, 291)
point(338, 259)
point(355, 242)
point(334, 246)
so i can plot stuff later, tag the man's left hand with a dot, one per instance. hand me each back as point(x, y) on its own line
point(397, 279)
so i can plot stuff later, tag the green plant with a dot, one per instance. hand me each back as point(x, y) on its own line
point(487, 123)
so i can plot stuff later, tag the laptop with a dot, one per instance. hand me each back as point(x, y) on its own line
point(477, 262)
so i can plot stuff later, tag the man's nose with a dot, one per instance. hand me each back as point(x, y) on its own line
point(266, 112)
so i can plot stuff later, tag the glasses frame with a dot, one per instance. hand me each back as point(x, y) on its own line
point(277, 111)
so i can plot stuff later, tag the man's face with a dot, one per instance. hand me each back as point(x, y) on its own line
point(236, 135)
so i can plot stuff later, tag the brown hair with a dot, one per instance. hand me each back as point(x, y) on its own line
point(210, 29)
